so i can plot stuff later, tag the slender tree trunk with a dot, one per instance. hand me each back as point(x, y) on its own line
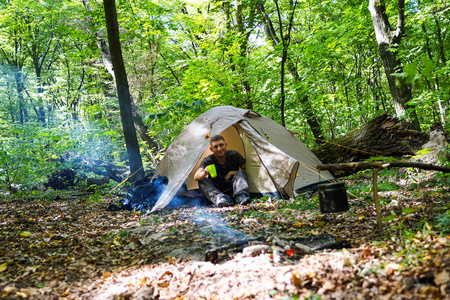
point(123, 91)
point(238, 66)
point(285, 41)
point(386, 39)
point(40, 91)
point(23, 113)
point(10, 101)
point(436, 79)
point(357, 59)
point(440, 39)
point(243, 43)
point(443, 58)
point(303, 99)
point(141, 128)
point(228, 26)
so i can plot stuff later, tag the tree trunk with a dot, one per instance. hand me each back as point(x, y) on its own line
point(285, 40)
point(303, 98)
point(382, 136)
point(246, 88)
point(238, 65)
point(107, 63)
point(436, 78)
point(123, 91)
point(387, 39)
point(40, 90)
point(20, 88)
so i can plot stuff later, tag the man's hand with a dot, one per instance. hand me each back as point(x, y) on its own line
point(229, 174)
point(200, 174)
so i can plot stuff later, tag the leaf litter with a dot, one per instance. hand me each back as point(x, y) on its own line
point(77, 250)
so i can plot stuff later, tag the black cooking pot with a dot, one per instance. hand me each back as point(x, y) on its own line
point(332, 197)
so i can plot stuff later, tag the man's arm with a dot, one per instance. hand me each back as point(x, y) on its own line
point(200, 174)
point(231, 173)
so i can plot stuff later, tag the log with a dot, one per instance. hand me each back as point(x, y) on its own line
point(79, 166)
point(381, 165)
point(382, 136)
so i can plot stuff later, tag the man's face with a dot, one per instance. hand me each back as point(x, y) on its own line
point(218, 148)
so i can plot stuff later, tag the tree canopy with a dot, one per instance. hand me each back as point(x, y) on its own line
point(316, 67)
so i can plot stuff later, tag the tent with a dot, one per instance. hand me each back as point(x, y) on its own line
point(276, 161)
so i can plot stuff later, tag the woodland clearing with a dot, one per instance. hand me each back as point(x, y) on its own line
point(65, 245)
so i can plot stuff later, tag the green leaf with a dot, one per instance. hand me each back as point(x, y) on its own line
point(389, 218)
point(26, 233)
point(428, 66)
point(408, 210)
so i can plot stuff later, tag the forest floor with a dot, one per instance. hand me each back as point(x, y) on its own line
point(64, 245)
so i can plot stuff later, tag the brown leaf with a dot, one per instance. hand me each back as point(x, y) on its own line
point(442, 278)
point(296, 279)
point(430, 292)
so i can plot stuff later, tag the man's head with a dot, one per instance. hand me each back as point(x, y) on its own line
point(217, 145)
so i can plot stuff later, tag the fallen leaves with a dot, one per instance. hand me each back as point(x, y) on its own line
point(76, 250)
point(442, 278)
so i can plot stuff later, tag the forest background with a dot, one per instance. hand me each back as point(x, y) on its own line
point(320, 68)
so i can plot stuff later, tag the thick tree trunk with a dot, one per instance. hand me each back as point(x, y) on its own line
point(123, 91)
point(382, 136)
point(386, 39)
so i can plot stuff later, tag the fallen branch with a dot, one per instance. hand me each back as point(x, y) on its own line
point(382, 165)
point(217, 254)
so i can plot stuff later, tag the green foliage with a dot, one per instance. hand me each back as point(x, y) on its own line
point(381, 158)
point(444, 156)
point(155, 219)
point(183, 58)
point(387, 185)
point(302, 203)
point(123, 233)
point(443, 222)
point(28, 152)
point(25, 157)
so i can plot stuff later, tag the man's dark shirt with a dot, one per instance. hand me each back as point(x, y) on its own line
point(233, 161)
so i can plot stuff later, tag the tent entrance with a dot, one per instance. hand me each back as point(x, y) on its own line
point(258, 178)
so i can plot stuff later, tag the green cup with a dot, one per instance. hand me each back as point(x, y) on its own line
point(212, 171)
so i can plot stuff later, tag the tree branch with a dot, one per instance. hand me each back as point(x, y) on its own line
point(400, 20)
point(381, 164)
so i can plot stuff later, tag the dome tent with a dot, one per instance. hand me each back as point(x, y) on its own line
point(276, 161)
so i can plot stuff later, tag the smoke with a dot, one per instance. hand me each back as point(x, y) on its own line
point(216, 226)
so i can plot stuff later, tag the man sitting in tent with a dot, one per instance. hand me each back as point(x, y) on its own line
point(230, 180)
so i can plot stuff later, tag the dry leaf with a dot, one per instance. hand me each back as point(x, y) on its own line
point(106, 275)
point(296, 279)
point(442, 278)
point(3, 267)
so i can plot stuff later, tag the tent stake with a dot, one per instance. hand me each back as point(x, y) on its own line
point(375, 197)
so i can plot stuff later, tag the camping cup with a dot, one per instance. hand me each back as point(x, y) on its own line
point(212, 171)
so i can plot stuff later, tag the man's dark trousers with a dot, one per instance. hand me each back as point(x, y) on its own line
point(238, 184)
